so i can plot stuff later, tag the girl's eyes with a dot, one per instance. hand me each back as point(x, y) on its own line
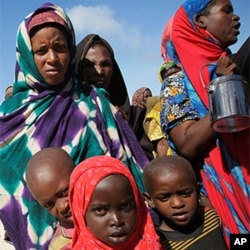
point(100, 211)
point(128, 206)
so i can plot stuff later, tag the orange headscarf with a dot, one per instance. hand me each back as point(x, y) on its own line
point(83, 181)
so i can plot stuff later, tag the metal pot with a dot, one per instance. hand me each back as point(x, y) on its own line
point(229, 100)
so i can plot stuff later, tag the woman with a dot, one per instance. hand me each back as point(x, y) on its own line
point(202, 30)
point(49, 108)
point(140, 97)
point(152, 127)
point(109, 212)
point(96, 65)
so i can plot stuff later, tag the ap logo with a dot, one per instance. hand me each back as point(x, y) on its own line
point(239, 241)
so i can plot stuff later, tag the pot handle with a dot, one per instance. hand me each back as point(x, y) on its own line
point(202, 67)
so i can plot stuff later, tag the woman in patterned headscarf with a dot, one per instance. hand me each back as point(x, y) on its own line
point(49, 108)
point(200, 34)
point(140, 97)
point(116, 223)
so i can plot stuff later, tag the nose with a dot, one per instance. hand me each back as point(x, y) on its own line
point(62, 206)
point(99, 69)
point(177, 202)
point(235, 17)
point(51, 56)
point(117, 219)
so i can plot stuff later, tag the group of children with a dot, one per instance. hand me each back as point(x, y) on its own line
point(99, 206)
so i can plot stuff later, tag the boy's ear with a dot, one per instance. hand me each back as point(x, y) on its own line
point(200, 21)
point(148, 199)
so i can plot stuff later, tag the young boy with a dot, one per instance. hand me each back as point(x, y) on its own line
point(48, 174)
point(173, 192)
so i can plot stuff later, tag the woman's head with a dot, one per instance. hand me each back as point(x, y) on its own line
point(219, 20)
point(140, 97)
point(105, 202)
point(47, 57)
point(96, 63)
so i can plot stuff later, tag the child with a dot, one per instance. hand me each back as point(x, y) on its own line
point(48, 174)
point(108, 210)
point(173, 192)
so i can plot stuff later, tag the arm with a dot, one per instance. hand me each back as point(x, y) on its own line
point(193, 137)
point(161, 147)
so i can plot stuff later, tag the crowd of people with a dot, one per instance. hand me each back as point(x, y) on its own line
point(83, 167)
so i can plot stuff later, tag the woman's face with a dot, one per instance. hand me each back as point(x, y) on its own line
point(51, 54)
point(111, 214)
point(146, 95)
point(98, 66)
point(222, 23)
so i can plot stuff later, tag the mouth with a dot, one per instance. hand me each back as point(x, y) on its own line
point(180, 216)
point(118, 234)
point(53, 71)
point(237, 28)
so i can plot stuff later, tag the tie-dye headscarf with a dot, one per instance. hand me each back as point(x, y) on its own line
point(225, 172)
point(83, 181)
point(77, 118)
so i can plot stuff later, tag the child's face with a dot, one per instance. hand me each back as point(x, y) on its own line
point(174, 195)
point(52, 194)
point(222, 23)
point(111, 214)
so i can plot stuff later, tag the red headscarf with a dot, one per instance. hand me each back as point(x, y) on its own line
point(83, 181)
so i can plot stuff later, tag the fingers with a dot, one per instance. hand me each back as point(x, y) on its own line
point(225, 66)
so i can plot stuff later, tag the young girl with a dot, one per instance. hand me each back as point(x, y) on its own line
point(108, 209)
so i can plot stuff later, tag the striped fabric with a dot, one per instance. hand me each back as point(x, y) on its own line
point(211, 223)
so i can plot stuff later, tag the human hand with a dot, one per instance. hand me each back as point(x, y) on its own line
point(225, 66)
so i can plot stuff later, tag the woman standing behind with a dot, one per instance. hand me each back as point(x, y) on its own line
point(49, 108)
point(96, 65)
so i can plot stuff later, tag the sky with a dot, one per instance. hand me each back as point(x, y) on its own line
point(132, 27)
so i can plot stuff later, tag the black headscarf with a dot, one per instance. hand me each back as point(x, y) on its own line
point(117, 88)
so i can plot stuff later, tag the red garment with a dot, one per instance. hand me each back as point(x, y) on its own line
point(83, 181)
point(195, 50)
point(226, 170)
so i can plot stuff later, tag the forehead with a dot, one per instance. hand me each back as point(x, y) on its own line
point(172, 176)
point(98, 50)
point(114, 180)
point(113, 187)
